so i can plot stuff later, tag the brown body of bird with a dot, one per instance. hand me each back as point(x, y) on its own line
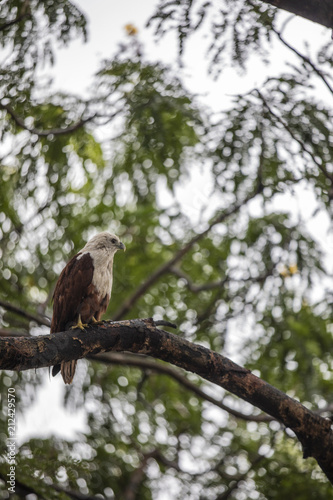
point(83, 290)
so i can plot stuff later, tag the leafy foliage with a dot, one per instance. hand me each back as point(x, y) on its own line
point(253, 281)
point(237, 27)
point(22, 29)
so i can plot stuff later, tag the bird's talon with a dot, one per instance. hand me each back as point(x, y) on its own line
point(97, 322)
point(80, 325)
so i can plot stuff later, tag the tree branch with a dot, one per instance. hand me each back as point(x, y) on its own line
point(45, 133)
point(4, 332)
point(293, 136)
point(75, 495)
point(138, 474)
point(214, 284)
point(239, 479)
point(25, 12)
point(318, 12)
point(307, 60)
point(143, 337)
point(144, 363)
point(21, 312)
point(197, 288)
point(22, 489)
point(25, 490)
point(164, 268)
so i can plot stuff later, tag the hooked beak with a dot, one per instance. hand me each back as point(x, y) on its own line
point(121, 246)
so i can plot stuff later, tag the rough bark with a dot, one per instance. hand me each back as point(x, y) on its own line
point(318, 11)
point(143, 337)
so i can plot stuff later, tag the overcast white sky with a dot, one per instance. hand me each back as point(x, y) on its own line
point(73, 71)
point(77, 63)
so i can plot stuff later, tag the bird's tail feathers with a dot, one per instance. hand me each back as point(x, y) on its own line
point(68, 370)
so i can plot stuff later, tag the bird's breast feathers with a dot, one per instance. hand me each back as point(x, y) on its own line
point(102, 263)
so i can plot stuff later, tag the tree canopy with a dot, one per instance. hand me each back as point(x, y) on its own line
point(245, 275)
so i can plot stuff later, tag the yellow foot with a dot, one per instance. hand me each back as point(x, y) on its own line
point(79, 324)
point(95, 322)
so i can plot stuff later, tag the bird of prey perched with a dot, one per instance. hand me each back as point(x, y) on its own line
point(83, 291)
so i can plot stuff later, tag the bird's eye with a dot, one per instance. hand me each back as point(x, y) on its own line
point(113, 240)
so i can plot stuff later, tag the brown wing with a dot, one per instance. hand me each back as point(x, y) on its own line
point(70, 291)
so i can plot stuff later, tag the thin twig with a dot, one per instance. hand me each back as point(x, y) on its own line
point(291, 133)
point(304, 58)
point(138, 474)
point(192, 286)
point(45, 133)
point(162, 322)
point(25, 12)
point(226, 494)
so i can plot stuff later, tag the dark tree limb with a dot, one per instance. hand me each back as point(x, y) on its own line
point(145, 363)
point(320, 12)
point(142, 336)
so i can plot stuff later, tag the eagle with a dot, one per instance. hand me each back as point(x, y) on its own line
point(83, 290)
